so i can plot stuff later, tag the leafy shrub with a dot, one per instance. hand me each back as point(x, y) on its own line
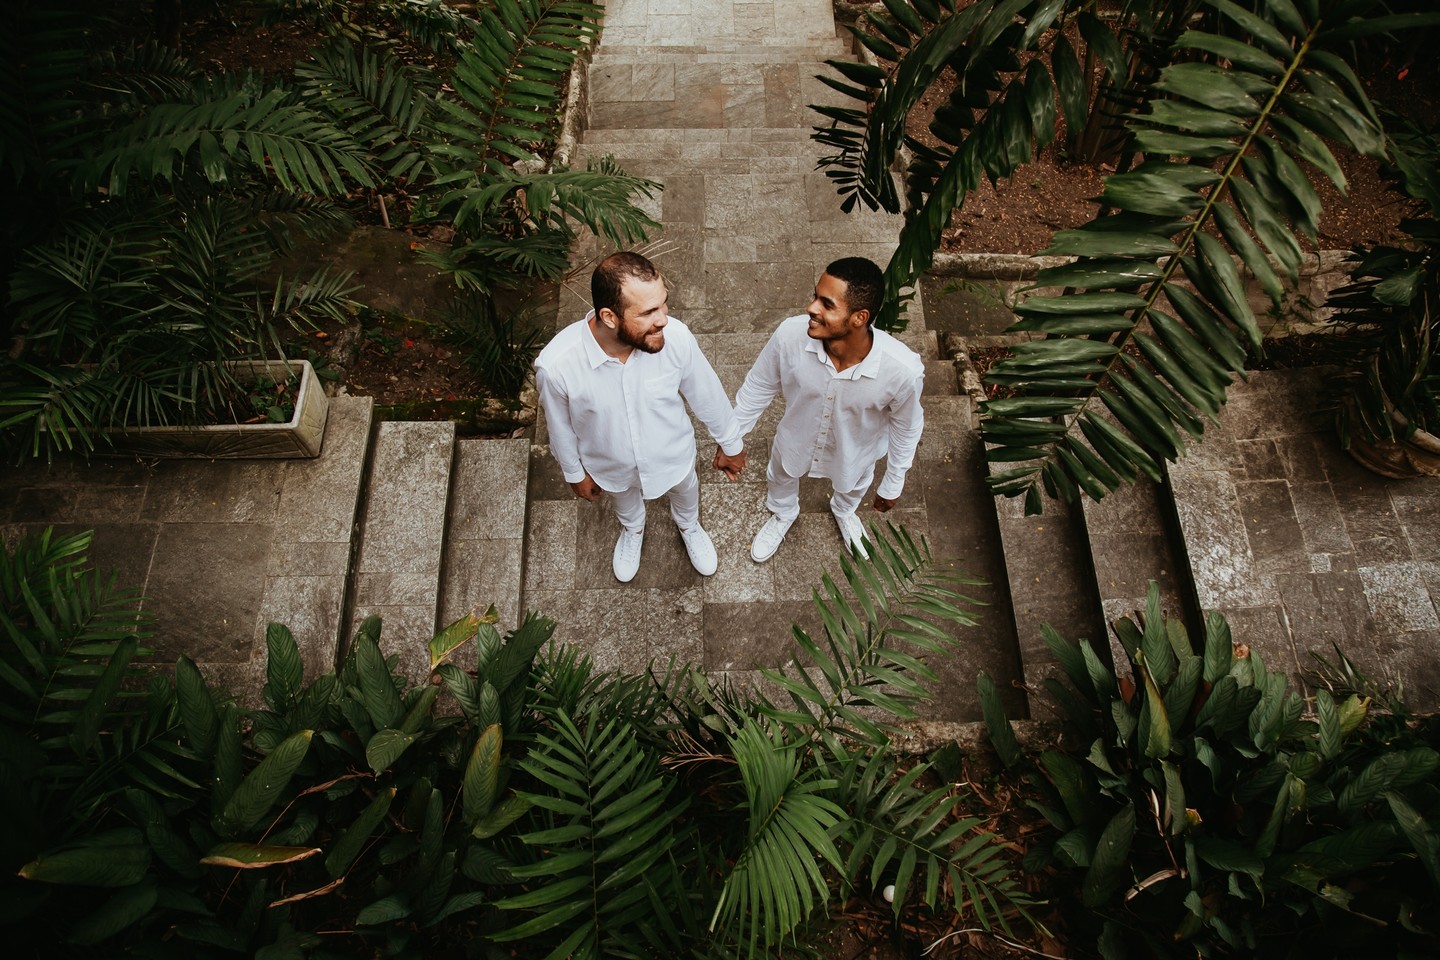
point(552, 809)
point(1201, 807)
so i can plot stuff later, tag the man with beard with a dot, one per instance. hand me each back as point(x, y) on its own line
point(614, 388)
point(852, 396)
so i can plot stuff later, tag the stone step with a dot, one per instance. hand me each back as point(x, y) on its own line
point(720, 52)
point(402, 538)
point(1134, 538)
point(1048, 567)
point(483, 562)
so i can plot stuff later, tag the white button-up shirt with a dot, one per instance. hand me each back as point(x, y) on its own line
point(618, 420)
point(838, 423)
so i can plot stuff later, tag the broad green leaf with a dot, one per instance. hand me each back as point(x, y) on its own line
point(252, 856)
point(284, 670)
point(114, 860)
point(447, 641)
point(997, 724)
point(385, 747)
point(481, 782)
point(258, 792)
point(198, 713)
point(123, 909)
point(342, 855)
point(1112, 852)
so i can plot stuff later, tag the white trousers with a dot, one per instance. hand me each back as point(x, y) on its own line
point(684, 504)
point(782, 493)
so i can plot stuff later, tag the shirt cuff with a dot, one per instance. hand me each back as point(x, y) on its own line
point(733, 447)
point(893, 485)
point(573, 476)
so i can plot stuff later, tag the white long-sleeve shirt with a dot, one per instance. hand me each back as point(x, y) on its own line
point(613, 419)
point(837, 424)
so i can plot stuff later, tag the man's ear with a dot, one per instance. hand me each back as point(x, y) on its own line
point(860, 318)
point(609, 318)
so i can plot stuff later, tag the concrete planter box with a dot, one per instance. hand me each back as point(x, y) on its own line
point(298, 437)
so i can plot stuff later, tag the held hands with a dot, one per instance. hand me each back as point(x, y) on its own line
point(883, 504)
point(732, 467)
point(586, 489)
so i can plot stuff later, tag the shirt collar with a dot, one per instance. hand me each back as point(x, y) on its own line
point(593, 352)
point(869, 367)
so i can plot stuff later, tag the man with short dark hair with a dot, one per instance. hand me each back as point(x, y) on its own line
point(852, 396)
point(614, 386)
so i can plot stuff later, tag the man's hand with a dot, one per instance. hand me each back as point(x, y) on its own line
point(586, 489)
point(883, 504)
point(732, 467)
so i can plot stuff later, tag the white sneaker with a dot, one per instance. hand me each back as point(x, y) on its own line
point(853, 533)
point(701, 550)
point(626, 560)
point(767, 540)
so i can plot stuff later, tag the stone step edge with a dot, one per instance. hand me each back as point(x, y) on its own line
point(396, 635)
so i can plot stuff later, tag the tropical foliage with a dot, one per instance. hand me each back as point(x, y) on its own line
point(1229, 108)
point(1201, 807)
point(525, 801)
point(152, 202)
point(1390, 307)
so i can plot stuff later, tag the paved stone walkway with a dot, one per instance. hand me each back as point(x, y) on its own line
point(710, 99)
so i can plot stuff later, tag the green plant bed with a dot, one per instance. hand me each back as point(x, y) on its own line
point(299, 435)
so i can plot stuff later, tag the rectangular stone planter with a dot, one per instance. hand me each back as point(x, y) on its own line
point(300, 436)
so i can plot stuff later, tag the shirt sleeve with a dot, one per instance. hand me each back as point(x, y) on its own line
point(760, 386)
point(907, 421)
point(564, 445)
point(701, 388)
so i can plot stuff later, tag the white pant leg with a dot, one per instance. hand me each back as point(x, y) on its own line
point(782, 491)
point(842, 504)
point(630, 507)
point(685, 502)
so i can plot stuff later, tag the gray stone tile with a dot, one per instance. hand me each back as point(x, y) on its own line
point(1304, 456)
point(550, 544)
point(219, 491)
point(1325, 608)
point(319, 497)
point(740, 636)
point(811, 548)
point(1261, 460)
point(109, 503)
point(1321, 524)
point(124, 549)
point(486, 502)
point(1263, 628)
point(310, 607)
point(675, 625)
point(291, 559)
point(1409, 663)
point(607, 625)
point(1276, 541)
point(205, 588)
point(1420, 518)
point(1398, 598)
point(479, 573)
point(733, 513)
point(404, 520)
point(1221, 561)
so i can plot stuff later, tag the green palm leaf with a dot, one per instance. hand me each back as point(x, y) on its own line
point(1232, 184)
point(777, 882)
point(895, 609)
point(604, 809)
point(509, 80)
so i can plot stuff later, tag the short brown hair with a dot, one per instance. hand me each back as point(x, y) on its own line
point(864, 283)
point(610, 276)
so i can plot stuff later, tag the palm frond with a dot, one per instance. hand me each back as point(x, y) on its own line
point(380, 101)
point(270, 135)
point(1132, 363)
point(896, 609)
point(777, 882)
point(509, 80)
point(905, 835)
point(603, 804)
